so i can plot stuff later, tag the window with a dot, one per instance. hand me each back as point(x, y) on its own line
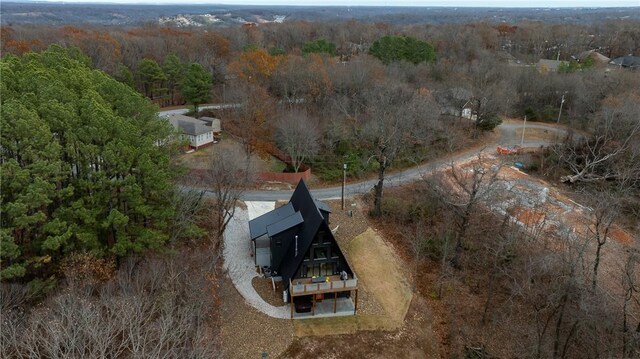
point(326, 268)
point(320, 253)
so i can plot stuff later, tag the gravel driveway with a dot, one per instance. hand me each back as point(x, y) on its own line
point(238, 261)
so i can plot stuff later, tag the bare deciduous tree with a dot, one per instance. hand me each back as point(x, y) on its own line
point(158, 308)
point(397, 121)
point(227, 179)
point(463, 190)
point(299, 136)
point(611, 153)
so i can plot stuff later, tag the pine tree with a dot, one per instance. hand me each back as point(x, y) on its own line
point(80, 165)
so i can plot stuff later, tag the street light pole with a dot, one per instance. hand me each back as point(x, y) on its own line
point(344, 181)
point(523, 129)
point(560, 113)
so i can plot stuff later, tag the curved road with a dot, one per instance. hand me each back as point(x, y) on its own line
point(508, 136)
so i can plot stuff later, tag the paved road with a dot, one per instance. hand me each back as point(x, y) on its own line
point(507, 136)
point(182, 111)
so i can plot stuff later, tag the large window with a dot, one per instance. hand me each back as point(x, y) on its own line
point(320, 253)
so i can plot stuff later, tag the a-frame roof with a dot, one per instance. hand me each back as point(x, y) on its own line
point(303, 202)
point(302, 212)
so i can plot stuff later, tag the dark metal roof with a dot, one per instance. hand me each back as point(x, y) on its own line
point(284, 224)
point(301, 217)
point(627, 61)
point(322, 206)
point(304, 203)
point(258, 225)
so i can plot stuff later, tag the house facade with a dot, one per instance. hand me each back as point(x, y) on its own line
point(293, 243)
point(195, 131)
point(214, 123)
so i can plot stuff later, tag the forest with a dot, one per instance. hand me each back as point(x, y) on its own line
point(91, 221)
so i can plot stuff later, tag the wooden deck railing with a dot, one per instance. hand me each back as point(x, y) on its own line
point(304, 286)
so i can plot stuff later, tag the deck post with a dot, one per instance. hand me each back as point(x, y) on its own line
point(335, 301)
point(291, 297)
point(355, 309)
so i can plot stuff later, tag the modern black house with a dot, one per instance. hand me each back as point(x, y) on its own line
point(299, 247)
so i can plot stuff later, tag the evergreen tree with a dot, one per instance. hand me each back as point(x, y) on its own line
point(196, 88)
point(151, 76)
point(174, 71)
point(319, 46)
point(125, 75)
point(402, 48)
point(80, 165)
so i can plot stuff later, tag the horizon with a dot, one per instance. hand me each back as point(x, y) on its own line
point(513, 4)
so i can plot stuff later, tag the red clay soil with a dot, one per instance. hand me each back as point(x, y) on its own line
point(620, 235)
point(527, 216)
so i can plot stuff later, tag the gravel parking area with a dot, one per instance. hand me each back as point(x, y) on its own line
point(238, 261)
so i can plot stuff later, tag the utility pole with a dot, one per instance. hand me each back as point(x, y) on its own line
point(523, 129)
point(344, 181)
point(560, 113)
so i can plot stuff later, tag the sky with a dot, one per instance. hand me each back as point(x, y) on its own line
point(463, 3)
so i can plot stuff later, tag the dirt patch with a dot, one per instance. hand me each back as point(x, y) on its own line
point(264, 287)
point(538, 135)
point(247, 333)
point(527, 216)
point(415, 339)
point(620, 235)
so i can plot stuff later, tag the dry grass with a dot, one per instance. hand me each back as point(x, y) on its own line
point(199, 159)
point(538, 135)
point(381, 271)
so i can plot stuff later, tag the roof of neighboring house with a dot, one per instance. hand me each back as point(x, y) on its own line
point(550, 65)
point(189, 125)
point(627, 61)
point(471, 104)
point(258, 225)
point(593, 54)
point(213, 122)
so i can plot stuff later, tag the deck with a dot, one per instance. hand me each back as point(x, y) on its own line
point(305, 286)
point(318, 287)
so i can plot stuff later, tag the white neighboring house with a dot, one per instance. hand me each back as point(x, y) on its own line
point(192, 129)
point(214, 123)
point(469, 110)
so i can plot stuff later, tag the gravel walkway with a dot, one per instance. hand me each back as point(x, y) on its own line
point(239, 263)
